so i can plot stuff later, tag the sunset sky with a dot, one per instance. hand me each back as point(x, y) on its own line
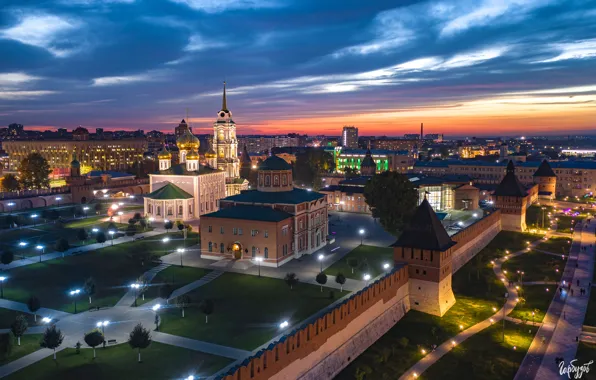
point(480, 67)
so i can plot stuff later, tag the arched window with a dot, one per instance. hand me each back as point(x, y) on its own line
point(221, 247)
point(266, 252)
point(267, 180)
point(284, 179)
point(210, 247)
point(180, 210)
point(170, 211)
point(190, 209)
point(150, 208)
point(275, 180)
point(158, 210)
point(254, 251)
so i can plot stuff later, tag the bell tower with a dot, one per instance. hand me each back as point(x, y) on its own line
point(225, 143)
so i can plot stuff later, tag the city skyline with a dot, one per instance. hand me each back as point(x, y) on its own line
point(462, 68)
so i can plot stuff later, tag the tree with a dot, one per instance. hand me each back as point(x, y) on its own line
point(90, 287)
point(52, 339)
point(363, 266)
point(82, 235)
point(34, 172)
point(33, 305)
point(19, 326)
point(94, 339)
point(62, 245)
point(6, 345)
point(183, 301)
point(206, 307)
point(403, 342)
point(143, 223)
point(132, 221)
point(291, 279)
point(168, 225)
point(139, 338)
point(341, 280)
point(7, 257)
point(321, 279)
point(353, 263)
point(310, 164)
point(137, 216)
point(179, 225)
point(350, 173)
point(10, 182)
point(100, 237)
point(131, 230)
point(392, 198)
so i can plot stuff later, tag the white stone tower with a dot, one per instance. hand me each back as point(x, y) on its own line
point(225, 143)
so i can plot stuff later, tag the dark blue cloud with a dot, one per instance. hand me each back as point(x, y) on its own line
point(127, 63)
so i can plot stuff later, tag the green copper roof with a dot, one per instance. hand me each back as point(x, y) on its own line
point(274, 163)
point(291, 197)
point(169, 191)
point(248, 212)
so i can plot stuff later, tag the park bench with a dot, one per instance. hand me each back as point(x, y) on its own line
point(111, 341)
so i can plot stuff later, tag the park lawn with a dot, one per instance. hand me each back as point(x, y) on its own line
point(537, 218)
point(558, 245)
point(159, 361)
point(485, 356)
point(536, 266)
point(392, 354)
point(112, 267)
point(566, 223)
point(591, 312)
point(586, 352)
point(8, 316)
point(29, 344)
point(537, 300)
point(370, 260)
point(247, 310)
point(176, 276)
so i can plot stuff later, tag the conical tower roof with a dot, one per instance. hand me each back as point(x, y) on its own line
point(368, 161)
point(245, 158)
point(510, 186)
point(425, 231)
point(544, 170)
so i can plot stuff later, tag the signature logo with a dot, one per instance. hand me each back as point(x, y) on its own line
point(571, 369)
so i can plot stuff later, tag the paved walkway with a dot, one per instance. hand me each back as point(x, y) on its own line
point(563, 342)
point(430, 359)
point(197, 345)
point(129, 297)
point(27, 360)
point(42, 312)
point(195, 284)
point(537, 353)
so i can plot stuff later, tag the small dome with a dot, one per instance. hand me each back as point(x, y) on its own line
point(274, 163)
point(210, 153)
point(188, 141)
point(164, 154)
point(75, 164)
point(193, 155)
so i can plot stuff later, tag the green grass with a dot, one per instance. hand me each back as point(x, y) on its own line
point(591, 312)
point(586, 352)
point(8, 316)
point(29, 344)
point(559, 245)
point(536, 267)
point(370, 260)
point(485, 356)
point(536, 218)
point(247, 310)
point(159, 361)
point(112, 267)
point(175, 276)
point(535, 299)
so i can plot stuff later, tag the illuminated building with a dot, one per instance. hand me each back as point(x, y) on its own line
point(349, 137)
point(399, 161)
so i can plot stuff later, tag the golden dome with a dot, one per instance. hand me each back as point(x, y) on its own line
point(164, 154)
point(192, 155)
point(210, 153)
point(188, 141)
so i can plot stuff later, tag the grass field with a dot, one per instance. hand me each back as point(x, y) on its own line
point(559, 245)
point(535, 299)
point(485, 356)
point(536, 267)
point(370, 260)
point(175, 276)
point(8, 316)
point(112, 267)
point(29, 344)
point(247, 310)
point(586, 352)
point(159, 361)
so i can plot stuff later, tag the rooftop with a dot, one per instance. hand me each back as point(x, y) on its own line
point(544, 170)
point(249, 212)
point(294, 196)
point(169, 191)
point(274, 163)
point(510, 185)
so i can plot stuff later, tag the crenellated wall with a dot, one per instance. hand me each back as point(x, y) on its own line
point(474, 238)
point(323, 345)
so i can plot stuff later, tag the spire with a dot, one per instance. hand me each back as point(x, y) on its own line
point(224, 105)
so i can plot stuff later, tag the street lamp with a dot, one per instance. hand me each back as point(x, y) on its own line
point(85, 209)
point(74, 294)
point(41, 250)
point(95, 230)
point(180, 251)
point(120, 216)
point(10, 205)
point(46, 320)
point(361, 232)
point(366, 278)
point(112, 235)
point(34, 217)
point(284, 324)
point(22, 244)
point(58, 199)
point(386, 266)
point(103, 326)
point(135, 287)
point(259, 260)
point(165, 240)
point(2, 278)
point(321, 258)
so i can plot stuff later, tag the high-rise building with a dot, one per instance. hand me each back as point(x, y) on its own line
point(349, 137)
point(99, 133)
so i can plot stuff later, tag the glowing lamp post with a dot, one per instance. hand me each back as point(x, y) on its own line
point(120, 217)
point(112, 235)
point(180, 252)
point(366, 278)
point(74, 294)
point(361, 232)
point(2, 278)
point(41, 250)
point(165, 241)
point(259, 260)
point(135, 287)
point(321, 258)
point(34, 217)
point(85, 209)
point(386, 266)
point(103, 325)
